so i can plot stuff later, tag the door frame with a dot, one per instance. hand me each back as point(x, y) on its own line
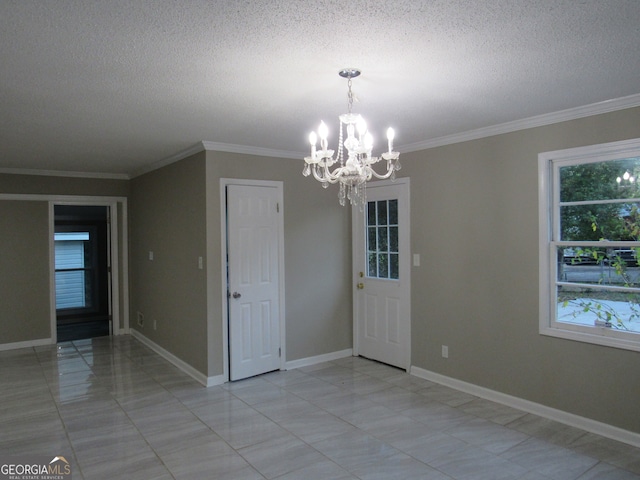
point(278, 185)
point(114, 253)
point(100, 244)
point(405, 259)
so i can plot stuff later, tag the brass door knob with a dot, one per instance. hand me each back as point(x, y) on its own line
point(360, 286)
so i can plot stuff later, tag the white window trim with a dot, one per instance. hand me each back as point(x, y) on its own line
point(548, 325)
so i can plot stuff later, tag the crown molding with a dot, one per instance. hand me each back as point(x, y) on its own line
point(192, 150)
point(63, 173)
point(261, 152)
point(206, 146)
point(508, 127)
point(530, 122)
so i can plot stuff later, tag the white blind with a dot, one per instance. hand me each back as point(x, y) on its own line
point(70, 284)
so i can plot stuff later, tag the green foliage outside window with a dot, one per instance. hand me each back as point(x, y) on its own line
point(597, 203)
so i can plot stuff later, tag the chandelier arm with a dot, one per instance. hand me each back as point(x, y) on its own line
point(328, 177)
point(335, 176)
point(383, 176)
point(314, 170)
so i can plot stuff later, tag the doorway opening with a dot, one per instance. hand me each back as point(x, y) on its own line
point(82, 272)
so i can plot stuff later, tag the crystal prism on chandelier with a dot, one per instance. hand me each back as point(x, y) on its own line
point(354, 171)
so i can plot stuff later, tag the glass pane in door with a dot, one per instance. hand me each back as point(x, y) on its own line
point(382, 239)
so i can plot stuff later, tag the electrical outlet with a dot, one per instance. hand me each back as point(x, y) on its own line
point(445, 351)
point(140, 319)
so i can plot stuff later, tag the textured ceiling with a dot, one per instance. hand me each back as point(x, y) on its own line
point(112, 87)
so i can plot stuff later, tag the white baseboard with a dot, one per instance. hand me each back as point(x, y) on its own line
point(326, 357)
point(185, 367)
point(567, 418)
point(26, 344)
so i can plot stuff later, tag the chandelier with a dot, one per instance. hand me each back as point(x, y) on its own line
point(626, 179)
point(355, 167)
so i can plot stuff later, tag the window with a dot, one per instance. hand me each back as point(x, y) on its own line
point(590, 244)
point(73, 270)
point(382, 239)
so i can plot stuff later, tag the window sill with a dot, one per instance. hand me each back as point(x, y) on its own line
point(596, 335)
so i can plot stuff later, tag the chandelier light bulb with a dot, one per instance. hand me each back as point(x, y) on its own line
point(361, 126)
point(368, 141)
point(313, 139)
point(323, 131)
point(391, 134)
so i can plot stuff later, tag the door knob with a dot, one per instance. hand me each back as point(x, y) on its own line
point(236, 295)
point(360, 286)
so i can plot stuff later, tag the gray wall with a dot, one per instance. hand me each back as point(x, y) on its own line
point(317, 251)
point(24, 267)
point(167, 212)
point(475, 221)
point(25, 227)
point(43, 185)
point(175, 212)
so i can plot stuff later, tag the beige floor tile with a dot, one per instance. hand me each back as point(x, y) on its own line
point(116, 409)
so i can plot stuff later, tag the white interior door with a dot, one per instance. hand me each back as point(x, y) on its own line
point(253, 279)
point(382, 280)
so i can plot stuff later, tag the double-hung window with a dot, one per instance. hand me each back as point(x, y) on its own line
point(589, 201)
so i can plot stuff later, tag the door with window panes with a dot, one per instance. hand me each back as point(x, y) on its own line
point(382, 319)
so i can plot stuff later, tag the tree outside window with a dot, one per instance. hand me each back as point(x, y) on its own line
point(593, 243)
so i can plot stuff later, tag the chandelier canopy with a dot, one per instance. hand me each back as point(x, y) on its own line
point(354, 171)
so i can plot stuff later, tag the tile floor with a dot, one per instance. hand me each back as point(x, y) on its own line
point(115, 409)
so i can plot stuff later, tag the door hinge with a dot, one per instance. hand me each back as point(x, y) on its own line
point(279, 351)
point(277, 207)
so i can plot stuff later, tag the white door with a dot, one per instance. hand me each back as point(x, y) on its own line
point(253, 279)
point(382, 279)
